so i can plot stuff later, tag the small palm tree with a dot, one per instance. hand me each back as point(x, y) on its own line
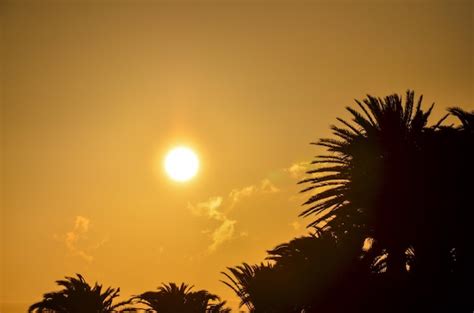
point(78, 296)
point(171, 298)
point(257, 286)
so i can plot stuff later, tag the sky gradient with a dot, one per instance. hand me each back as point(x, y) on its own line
point(93, 95)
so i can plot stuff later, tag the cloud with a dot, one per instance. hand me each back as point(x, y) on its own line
point(268, 187)
point(237, 194)
point(77, 237)
point(81, 224)
point(212, 209)
point(265, 186)
point(81, 227)
point(208, 208)
point(298, 170)
point(223, 233)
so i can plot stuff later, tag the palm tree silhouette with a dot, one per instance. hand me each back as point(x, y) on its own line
point(406, 186)
point(319, 264)
point(303, 276)
point(371, 179)
point(445, 258)
point(78, 296)
point(171, 298)
point(466, 119)
point(257, 286)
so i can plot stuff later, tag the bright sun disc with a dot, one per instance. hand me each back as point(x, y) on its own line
point(181, 164)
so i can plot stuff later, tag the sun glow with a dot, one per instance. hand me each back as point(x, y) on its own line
point(181, 164)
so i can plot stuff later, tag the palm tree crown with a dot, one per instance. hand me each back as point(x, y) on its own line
point(78, 296)
point(370, 180)
point(172, 298)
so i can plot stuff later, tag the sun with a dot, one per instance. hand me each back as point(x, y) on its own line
point(181, 164)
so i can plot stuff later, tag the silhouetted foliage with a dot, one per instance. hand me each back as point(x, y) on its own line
point(255, 285)
point(404, 185)
point(170, 298)
point(302, 275)
point(77, 296)
point(372, 177)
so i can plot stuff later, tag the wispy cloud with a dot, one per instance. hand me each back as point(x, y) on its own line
point(223, 209)
point(265, 186)
point(75, 239)
point(297, 170)
point(223, 233)
point(81, 227)
point(237, 194)
point(212, 208)
point(208, 208)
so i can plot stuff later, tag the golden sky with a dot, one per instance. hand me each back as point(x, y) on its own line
point(94, 93)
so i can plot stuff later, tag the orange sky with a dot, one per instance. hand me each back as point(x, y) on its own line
point(94, 93)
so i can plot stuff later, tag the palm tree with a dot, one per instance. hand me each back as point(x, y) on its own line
point(466, 119)
point(321, 270)
point(464, 253)
point(391, 178)
point(78, 296)
point(171, 298)
point(450, 255)
point(372, 178)
point(259, 287)
point(307, 274)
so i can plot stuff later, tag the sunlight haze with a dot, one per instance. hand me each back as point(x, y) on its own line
point(94, 94)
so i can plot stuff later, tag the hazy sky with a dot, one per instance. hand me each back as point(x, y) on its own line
point(93, 94)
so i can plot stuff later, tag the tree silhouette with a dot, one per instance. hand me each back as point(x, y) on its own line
point(405, 186)
point(257, 286)
point(307, 274)
point(78, 296)
point(466, 119)
point(444, 258)
point(371, 179)
point(321, 269)
point(171, 298)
